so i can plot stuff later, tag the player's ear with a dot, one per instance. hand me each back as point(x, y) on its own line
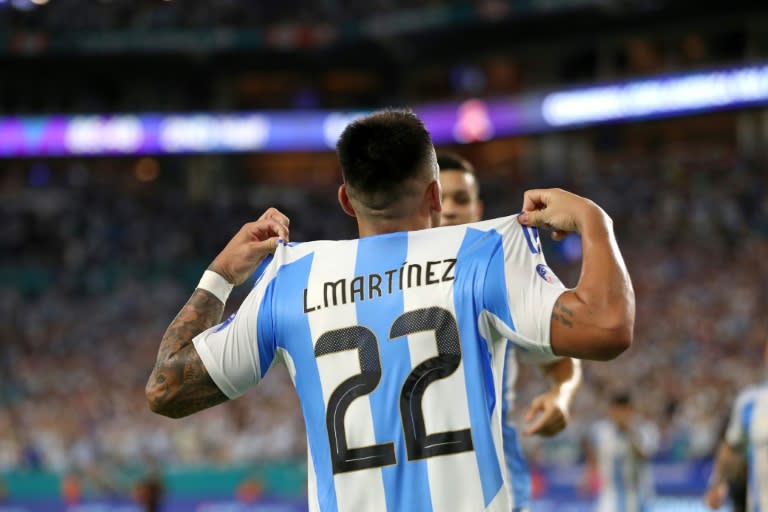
point(344, 201)
point(435, 196)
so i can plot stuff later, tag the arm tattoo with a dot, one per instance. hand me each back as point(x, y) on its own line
point(561, 314)
point(180, 384)
point(563, 309)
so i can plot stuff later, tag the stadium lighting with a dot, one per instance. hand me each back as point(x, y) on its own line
point(656, 97)
point(315, 130)
point(22, 5)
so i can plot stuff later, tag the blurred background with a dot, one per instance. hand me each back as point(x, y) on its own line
point(137, 136)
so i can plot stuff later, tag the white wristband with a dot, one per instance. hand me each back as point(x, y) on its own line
point(216, 284)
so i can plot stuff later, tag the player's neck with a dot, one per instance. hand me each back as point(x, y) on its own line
point(380, 227)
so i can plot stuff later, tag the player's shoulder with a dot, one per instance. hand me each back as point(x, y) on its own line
point(506, 227)
point(289, 252)
point(507, 224)
point(749, 394)
point(752, 392)
point(512, 232)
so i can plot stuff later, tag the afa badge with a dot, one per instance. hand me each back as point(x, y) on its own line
point(546, 274)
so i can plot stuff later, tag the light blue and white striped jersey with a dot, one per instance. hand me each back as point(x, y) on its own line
point(395, 344)
point(748, 431)
point(626, 480)
point(518, 473)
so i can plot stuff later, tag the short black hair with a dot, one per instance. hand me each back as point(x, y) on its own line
point(381, 151)
point(448, 161)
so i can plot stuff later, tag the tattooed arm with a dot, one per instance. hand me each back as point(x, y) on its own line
point(595, 320)
point(180, 383)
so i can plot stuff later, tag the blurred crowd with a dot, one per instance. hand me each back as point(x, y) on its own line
point(155, 14)
point(95, 264)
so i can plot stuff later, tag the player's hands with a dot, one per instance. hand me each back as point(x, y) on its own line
point(546, 415)
point(558, 210)
point(277, 215)
point(715, 497)
point(255, 240)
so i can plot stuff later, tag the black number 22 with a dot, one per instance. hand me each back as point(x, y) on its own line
point(419, 444)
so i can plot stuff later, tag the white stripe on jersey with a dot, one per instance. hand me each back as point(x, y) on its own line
point(450, 489)
point(511, 370)
point(356, 490)
point(287, 360)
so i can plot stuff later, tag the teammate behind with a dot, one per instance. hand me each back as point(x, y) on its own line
point(395, 341)
point(745, 444)
point(549, 413)
point(619, 451)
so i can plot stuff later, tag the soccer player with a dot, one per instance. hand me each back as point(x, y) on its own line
point(732, 483)
point(619, 450)
point(745, 443)
point(549, 412)
point(395, 340)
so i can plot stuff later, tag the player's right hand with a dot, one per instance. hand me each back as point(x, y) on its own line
point(558, 210)
point(255, 240)
point(547, 416)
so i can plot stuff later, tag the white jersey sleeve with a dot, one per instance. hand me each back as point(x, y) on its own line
point(521, 306)
point(237, 352)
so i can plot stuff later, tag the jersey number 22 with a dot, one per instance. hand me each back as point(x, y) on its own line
point(419, 444)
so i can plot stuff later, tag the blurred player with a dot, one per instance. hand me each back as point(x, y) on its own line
point(549, 412)
point(745, 444)
point(461, 192)
point(395, 342)
point(619, 450)
point(733, 485)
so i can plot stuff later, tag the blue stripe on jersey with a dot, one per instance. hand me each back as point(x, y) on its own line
point(406, 484)
point(266, 332)
point(533, 246)
point(294, 335)
point(746, 420)
point(256, 276)
point(517, 467)
point(495, 296)
point(617, 474)
point(471, 271)
point(497, 302)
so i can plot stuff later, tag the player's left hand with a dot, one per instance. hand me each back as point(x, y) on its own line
point(255, 240)
point(716, 496)
point(546, 416)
